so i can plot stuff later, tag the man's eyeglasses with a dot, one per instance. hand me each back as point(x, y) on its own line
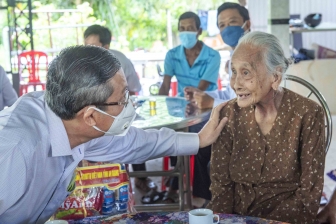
point(124, 102)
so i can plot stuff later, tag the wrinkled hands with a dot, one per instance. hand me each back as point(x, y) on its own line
point(212, 128)
point(328, 213)
point(201, 99)
point(189, 92)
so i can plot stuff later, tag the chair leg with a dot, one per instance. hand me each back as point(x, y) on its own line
point(165, 165)
point(192, 167)
point(25, 89)
point(181, 187)
point(21, 90)
point(187, 181)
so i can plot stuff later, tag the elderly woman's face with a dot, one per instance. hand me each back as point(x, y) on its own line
point(250, 79)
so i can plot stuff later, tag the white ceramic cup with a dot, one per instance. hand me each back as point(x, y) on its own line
point(57, 222)
point(202, 216)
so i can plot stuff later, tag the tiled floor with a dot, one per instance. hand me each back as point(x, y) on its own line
point(329, 184)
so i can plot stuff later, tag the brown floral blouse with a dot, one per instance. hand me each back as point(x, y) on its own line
point(278, 176)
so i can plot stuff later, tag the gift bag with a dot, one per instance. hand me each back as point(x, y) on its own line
point(100, 189)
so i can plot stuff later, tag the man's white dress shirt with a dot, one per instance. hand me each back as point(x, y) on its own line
point(37, 163)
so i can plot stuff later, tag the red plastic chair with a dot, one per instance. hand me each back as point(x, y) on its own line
point(31, 60)
point(219, 84)
point(173, 88)
point(165, 164)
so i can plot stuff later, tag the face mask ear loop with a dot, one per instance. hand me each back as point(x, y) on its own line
point(99, 110)
point(243, 25)
point(246, 31)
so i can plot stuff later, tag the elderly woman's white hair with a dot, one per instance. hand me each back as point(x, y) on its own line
point(273, 54)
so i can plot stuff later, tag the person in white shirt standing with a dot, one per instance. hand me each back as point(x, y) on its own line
point(8, 95)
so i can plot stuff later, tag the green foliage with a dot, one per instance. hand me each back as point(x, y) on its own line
point(142, 22)
point(59, 36)
point(135, 24)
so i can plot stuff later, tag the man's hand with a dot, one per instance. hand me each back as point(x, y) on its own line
point(203, 100)
point(191, 110)
point(212, 128)
point(189, 93)
point(200, 98)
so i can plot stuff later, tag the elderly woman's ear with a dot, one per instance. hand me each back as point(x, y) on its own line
point(277, 78)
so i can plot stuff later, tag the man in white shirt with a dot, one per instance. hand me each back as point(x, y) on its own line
point(7, 93)
point(85, 113)
point(101, 36)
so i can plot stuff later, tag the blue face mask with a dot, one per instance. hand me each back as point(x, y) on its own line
point(188, 39)
point(232, 34)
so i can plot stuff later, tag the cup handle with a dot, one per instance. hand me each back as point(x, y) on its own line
point(217, 218)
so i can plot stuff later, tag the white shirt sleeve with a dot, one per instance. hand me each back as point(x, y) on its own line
point(138, 146)
point(12, 163)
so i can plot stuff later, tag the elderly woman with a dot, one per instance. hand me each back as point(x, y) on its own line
point(269, 159)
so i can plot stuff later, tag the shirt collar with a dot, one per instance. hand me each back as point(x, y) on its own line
point(203, 55)
point(60, 145)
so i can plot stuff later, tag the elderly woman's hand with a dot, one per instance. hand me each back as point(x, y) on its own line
point(328, 213)
point(213, 127)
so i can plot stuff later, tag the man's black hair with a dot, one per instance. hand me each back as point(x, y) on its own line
point(230, 5)
point(103, 33)
point(188, 15)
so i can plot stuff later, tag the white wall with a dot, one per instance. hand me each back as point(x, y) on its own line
point(259, 10)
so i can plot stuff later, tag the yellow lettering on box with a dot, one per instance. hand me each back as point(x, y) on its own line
point(115, 173)
point(86, 176)
point(94, 175)
point(105, 173)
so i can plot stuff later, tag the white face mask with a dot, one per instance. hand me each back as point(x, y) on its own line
point(121, 123)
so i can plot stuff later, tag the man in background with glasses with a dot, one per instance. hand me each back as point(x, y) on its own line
point(85, 113)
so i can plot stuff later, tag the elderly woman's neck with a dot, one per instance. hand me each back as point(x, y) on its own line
point(266, 112)
point(271, 104)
